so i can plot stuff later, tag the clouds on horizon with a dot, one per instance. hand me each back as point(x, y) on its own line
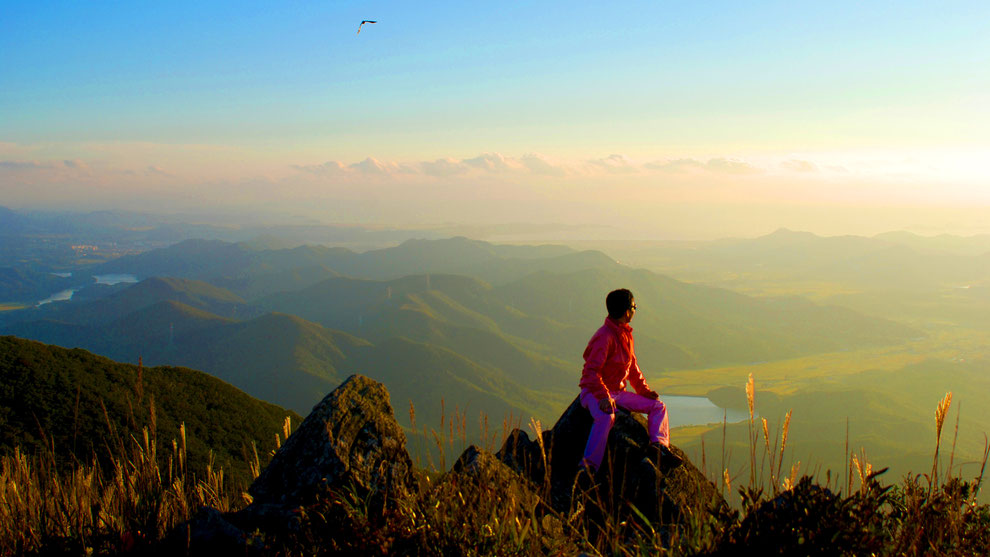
point(493, 165)
point(718, 165)
point(535, 164)
point(367, 167)
point(531, 178)
point(43, 165)
point(797, 165)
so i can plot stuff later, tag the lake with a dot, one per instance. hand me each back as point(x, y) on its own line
point(114, 279)
point(67, 294)
point(698, 410)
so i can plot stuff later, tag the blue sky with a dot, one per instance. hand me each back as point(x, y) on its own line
point(217, 96)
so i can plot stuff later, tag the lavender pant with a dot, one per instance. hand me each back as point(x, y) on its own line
point(657, 424)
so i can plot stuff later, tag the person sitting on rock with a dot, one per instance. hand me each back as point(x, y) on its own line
point(609, 362)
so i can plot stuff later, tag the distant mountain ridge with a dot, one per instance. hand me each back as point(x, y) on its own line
point(12, 222)
point(524, 335)
point(241, 268)
point(945, 243)
point(193, 293)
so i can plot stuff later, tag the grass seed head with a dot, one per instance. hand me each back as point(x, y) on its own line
point(940, 411)
point(787, 425)
point(750, 395)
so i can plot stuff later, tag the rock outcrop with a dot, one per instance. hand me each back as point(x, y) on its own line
point(350, 443)
point(627, 475)
point(350, 449)
point(350, 439)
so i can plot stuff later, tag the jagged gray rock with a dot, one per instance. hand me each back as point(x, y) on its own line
point(349, 443)
point(627, 474)
point(350, 440)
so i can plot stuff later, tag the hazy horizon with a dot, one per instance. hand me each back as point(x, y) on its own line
point(634, 120)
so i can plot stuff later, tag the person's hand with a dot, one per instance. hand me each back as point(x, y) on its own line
point(652, 394)
point(606, 405)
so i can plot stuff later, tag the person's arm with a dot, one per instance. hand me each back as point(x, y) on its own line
point(594, 360)
point(638, 382)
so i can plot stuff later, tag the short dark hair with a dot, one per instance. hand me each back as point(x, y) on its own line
point(618, 302)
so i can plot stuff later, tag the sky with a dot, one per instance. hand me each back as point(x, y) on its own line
point(665, 120)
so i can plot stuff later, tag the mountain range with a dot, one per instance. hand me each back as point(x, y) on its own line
point(498, 328)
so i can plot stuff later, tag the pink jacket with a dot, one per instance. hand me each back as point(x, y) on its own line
point(609, 360)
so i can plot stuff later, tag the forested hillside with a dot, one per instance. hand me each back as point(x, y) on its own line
point(82, 406)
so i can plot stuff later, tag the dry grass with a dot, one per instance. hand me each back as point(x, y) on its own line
point(137, 501)
point(484, 509)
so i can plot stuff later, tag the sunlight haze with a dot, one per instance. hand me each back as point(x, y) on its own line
point(655, 120)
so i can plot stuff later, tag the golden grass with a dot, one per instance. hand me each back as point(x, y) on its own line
point(940, 411)
point(136, 501)
point(130, 506)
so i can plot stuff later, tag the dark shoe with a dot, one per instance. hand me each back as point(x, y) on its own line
point(667, 459)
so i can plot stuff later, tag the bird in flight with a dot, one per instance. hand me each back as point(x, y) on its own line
point(362, 23)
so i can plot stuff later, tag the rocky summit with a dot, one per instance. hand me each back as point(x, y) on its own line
point(629, 474)
point(350, 451)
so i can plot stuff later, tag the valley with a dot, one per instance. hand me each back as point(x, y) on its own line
point(495, 332)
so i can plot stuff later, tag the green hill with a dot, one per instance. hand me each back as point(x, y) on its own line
point(19, 284)
point(255, 272)
point(194, 259)
point(528, 333)
point(685, 325)
point(279, 357)
point(425, 374)
point(294, 362)
point(162, 321)
point(80, 404)
point(447, 311)
point(193, 293)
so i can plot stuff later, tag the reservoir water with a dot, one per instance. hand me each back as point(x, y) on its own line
point(114, 279)
point(60, 296)
point(67, 294)
point(698, 410)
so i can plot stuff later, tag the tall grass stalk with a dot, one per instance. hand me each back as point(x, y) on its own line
point(940, 411)
point(783, 445)
point(751, 402)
